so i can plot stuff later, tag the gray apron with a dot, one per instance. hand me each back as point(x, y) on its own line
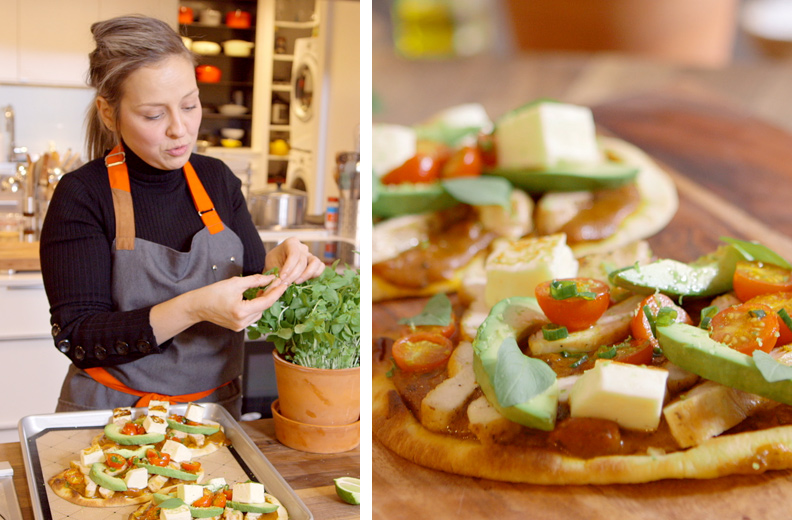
point(201, 358)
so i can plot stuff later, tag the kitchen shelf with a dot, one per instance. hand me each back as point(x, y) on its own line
point(283, 57)
point(280, 128)
point(278, 157)
point(281, 88)
point(244, 117)
point(226, 84)
point(280, 24)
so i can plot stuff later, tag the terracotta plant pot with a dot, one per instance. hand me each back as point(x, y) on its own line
point(314, 438)
point(324, 397)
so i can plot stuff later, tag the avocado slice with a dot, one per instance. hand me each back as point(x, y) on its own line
point(513, 317)
point(205, 512)
point(204, 429)
point(609, 174)
point(266, 507)
point(692, 349)
point(408, 198)
point(167, 471)
point(706, 276)
point(98, 474)
point(113, 432)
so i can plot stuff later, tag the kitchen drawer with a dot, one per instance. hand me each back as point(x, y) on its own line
point(24, 310)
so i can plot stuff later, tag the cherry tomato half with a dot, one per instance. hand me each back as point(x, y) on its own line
point(219, 499)
point(488, 149)
point(421, 351)
point(589, 301)
point(417, 169)
point(633, 351)
point(754, 278)
point(746, 327)
point(115, 461)
point(132, 428)
point(191, 466)
point(205, 500)
point(157, 459)
point(776, 302)
point(465, 162)
point(641, 328)
point(448, 331)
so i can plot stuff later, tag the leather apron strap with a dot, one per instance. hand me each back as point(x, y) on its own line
point(118, 174)
point(122, 199)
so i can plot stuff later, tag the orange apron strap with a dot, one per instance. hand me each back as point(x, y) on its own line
point(202, 201)
point(122, 199)
point(103, 377)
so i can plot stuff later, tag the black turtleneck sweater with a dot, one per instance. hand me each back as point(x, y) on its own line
point(76, 240)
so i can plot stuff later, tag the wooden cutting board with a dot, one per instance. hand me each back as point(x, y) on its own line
point(734, 177)
point(19, 256)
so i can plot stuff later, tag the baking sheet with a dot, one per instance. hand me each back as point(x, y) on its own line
point(50, 441)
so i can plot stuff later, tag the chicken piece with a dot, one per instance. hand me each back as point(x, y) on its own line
point(708, 410)
point(679, 379)
point(445, 402)
point(611, 328)
point(488, 424)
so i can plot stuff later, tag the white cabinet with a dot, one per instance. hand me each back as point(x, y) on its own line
point(32, 368)
point(47, 42)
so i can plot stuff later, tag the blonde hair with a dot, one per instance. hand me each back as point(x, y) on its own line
point(124, 45)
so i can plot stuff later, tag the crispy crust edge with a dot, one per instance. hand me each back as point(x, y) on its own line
point(394, 425)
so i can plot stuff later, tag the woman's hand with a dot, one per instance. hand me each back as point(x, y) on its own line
point(295, 262)
point(220, 303)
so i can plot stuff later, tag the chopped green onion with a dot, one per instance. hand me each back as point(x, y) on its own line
point(553, 332)
point(657, 351)
point(784, 315)
point(563, 289)
point(648, 313)
point(757, 313)
point(707, 313)
point(608, 353)
point(666, 316)
point(579, 361)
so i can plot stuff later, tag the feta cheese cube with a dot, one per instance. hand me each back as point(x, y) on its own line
point(216, 484)
point(178, 452)
point(122, 415)
point(516, 267)
point(89, 456)
point(177, 513)
point(249, 493)
point(136, 478)
point(155, 424)
point(630, 395)
point(194, 412)
point(160, 408)
point(391, 146)
point(546, 135)
point(189, 492)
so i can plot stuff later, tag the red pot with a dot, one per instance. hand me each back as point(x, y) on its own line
point(238, 19)
point(208, 73)
point(185, 15)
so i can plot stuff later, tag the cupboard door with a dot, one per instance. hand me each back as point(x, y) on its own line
point(54, 41)
point(8, 40)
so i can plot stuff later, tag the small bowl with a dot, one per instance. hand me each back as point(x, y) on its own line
point(232, 110)
point(232, 133)
point(314, 438)
point(206, 48)
point(231, 143)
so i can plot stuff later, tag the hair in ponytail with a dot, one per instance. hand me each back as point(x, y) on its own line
point(124, 45)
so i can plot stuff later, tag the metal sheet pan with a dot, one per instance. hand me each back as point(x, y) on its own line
point(252, 460)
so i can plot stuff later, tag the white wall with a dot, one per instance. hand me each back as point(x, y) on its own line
point(342, 80)
point(48, 116)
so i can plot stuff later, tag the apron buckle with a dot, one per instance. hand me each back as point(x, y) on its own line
point(115, 163)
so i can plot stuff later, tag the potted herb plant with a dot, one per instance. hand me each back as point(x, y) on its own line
point(315, 328)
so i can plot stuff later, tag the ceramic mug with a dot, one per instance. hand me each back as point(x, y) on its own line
point(211, 17)
point(238, 19)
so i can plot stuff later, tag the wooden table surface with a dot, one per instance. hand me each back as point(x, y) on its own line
point(309, 474)
point(725, 137)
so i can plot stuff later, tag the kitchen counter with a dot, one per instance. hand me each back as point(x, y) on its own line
point(310, 475)
point(725, 137)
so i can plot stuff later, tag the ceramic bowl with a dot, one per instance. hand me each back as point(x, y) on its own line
point(232, 133)
point(205, 48)
point(232, 110)
point(314, 438)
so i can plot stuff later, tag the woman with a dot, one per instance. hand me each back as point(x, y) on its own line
point(142, 247)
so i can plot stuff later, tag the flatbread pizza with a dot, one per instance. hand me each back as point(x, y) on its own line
point(684, 373)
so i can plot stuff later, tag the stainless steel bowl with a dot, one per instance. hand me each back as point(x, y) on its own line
point(278, 209)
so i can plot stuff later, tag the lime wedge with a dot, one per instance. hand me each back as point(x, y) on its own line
point(348, 489)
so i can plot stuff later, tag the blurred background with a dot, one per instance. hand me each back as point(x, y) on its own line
point(700, 37)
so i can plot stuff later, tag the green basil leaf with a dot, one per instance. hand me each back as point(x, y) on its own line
point(437, 311)
point(519, 378)
point(480, 191)
point(771, 370)
point(756, 252)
